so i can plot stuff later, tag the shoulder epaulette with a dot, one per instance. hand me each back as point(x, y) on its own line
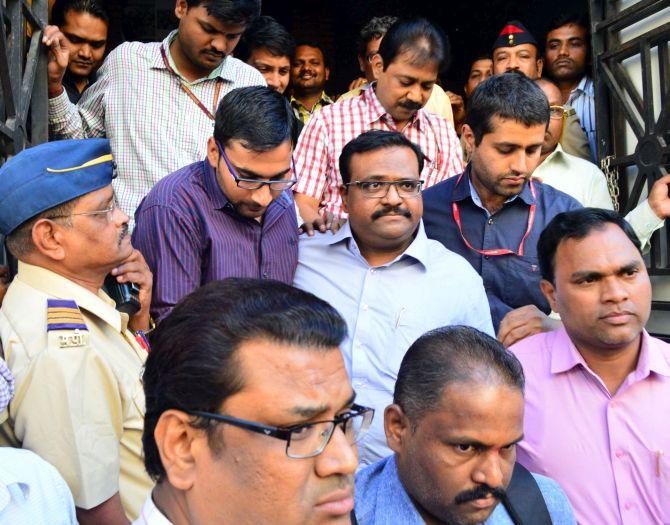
point(64, 314)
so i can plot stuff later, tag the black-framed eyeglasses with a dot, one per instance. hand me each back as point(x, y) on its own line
point(377, 189)
point(108, 211)
point(254, 184)
point(557, 112)
point(308, 439)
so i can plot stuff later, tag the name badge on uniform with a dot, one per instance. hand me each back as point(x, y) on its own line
point(64, 315)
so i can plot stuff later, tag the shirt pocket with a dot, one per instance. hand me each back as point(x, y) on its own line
point(522, 282)
point(661, 471)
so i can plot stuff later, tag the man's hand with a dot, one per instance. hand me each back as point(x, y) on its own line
point(318, 223)
point(135, 270)
point(358, 83)
point(59, 56)
point(659, 197)
point(524, 322)
point(458, 108)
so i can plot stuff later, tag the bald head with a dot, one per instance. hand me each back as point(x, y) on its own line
point(451, 355)
point(555, 128)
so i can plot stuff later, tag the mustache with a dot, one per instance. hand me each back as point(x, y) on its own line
point(214, 52)
point(479, 492)
point(388, 210)
point(123, 234)
point(412, 106)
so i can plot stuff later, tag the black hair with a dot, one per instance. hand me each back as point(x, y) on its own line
point(242, 12)
point(511, 95)
point(193, 363)
point(94, 8)
point(259, 117)
point(374, 29)
point(564, 19)
point(372, 141)
point(266, 33)
point(575, 224)
point(315, 45)
point(425, 41)
point(452, 354)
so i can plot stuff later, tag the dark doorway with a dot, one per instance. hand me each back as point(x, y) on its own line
point(471, 26)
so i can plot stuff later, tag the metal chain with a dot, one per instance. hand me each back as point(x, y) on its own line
point(612, 177)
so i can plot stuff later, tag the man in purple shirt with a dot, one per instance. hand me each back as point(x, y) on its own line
point(598, 389)
point(230, 215)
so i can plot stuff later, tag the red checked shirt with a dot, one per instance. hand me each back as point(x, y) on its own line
point(328, 131)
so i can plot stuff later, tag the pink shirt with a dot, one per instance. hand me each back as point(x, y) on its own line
point(611, 454)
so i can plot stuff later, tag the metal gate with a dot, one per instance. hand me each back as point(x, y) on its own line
point(621, 37)
point(23, 75)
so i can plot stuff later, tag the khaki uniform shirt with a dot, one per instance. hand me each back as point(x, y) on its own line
point(574, 140)
point(78, 401)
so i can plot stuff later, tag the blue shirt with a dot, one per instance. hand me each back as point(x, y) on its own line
point(381, 499)
point(32, 491)
point(511, 281)
point(387, 308)
point(582, 100)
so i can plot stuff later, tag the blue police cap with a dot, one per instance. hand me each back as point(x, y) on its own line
point(44, 176)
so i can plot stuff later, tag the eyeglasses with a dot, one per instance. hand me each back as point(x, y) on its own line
point(557, 112)
point(109, 211)
point(377, 189)
point(306, 440)
point(254, 184)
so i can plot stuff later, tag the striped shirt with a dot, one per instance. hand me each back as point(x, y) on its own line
point(190, 234)
point(153, 125)
point(583, 102)
point(6, 386)
point(330, 129)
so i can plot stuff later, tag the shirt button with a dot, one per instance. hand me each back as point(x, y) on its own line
point(619, 453)
point(372, 270)
point(265, 275)
point(490, 221)
point(628, 506)
point(486, 257)
point(614, 404)
point(365, 307)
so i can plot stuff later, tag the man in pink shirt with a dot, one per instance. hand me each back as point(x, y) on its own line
point(598, 390)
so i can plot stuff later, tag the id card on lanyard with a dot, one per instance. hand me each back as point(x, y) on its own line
point(496, 251)
point(187, 90)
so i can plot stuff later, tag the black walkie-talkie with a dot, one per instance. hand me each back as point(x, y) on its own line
point(125, 295)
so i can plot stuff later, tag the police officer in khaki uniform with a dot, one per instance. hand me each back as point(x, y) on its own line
point(76, 359)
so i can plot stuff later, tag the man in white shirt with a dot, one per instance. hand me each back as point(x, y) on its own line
point(583, 180)
point(31, 490)
point(380, 271)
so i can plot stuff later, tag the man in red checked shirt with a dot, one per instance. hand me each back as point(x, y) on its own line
point(412, 54)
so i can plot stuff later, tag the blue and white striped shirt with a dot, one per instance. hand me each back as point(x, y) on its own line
point(583, 102)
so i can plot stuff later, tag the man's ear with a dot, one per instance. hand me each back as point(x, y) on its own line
point(213, 153)
point(48, 237)
point(178, 444)
point(396, 427)
point(377, 65)
point(180, 9)
point(327, 73)
point(540, 65)
point(344, 194)
point(468, 137)
point(549, 291)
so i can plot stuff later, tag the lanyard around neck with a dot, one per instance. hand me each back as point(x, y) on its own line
point(497, 251)
point(190, 93)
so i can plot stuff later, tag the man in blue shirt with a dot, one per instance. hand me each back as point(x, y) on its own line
point(380, 271)
point(456, 417)
point(493, 214)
